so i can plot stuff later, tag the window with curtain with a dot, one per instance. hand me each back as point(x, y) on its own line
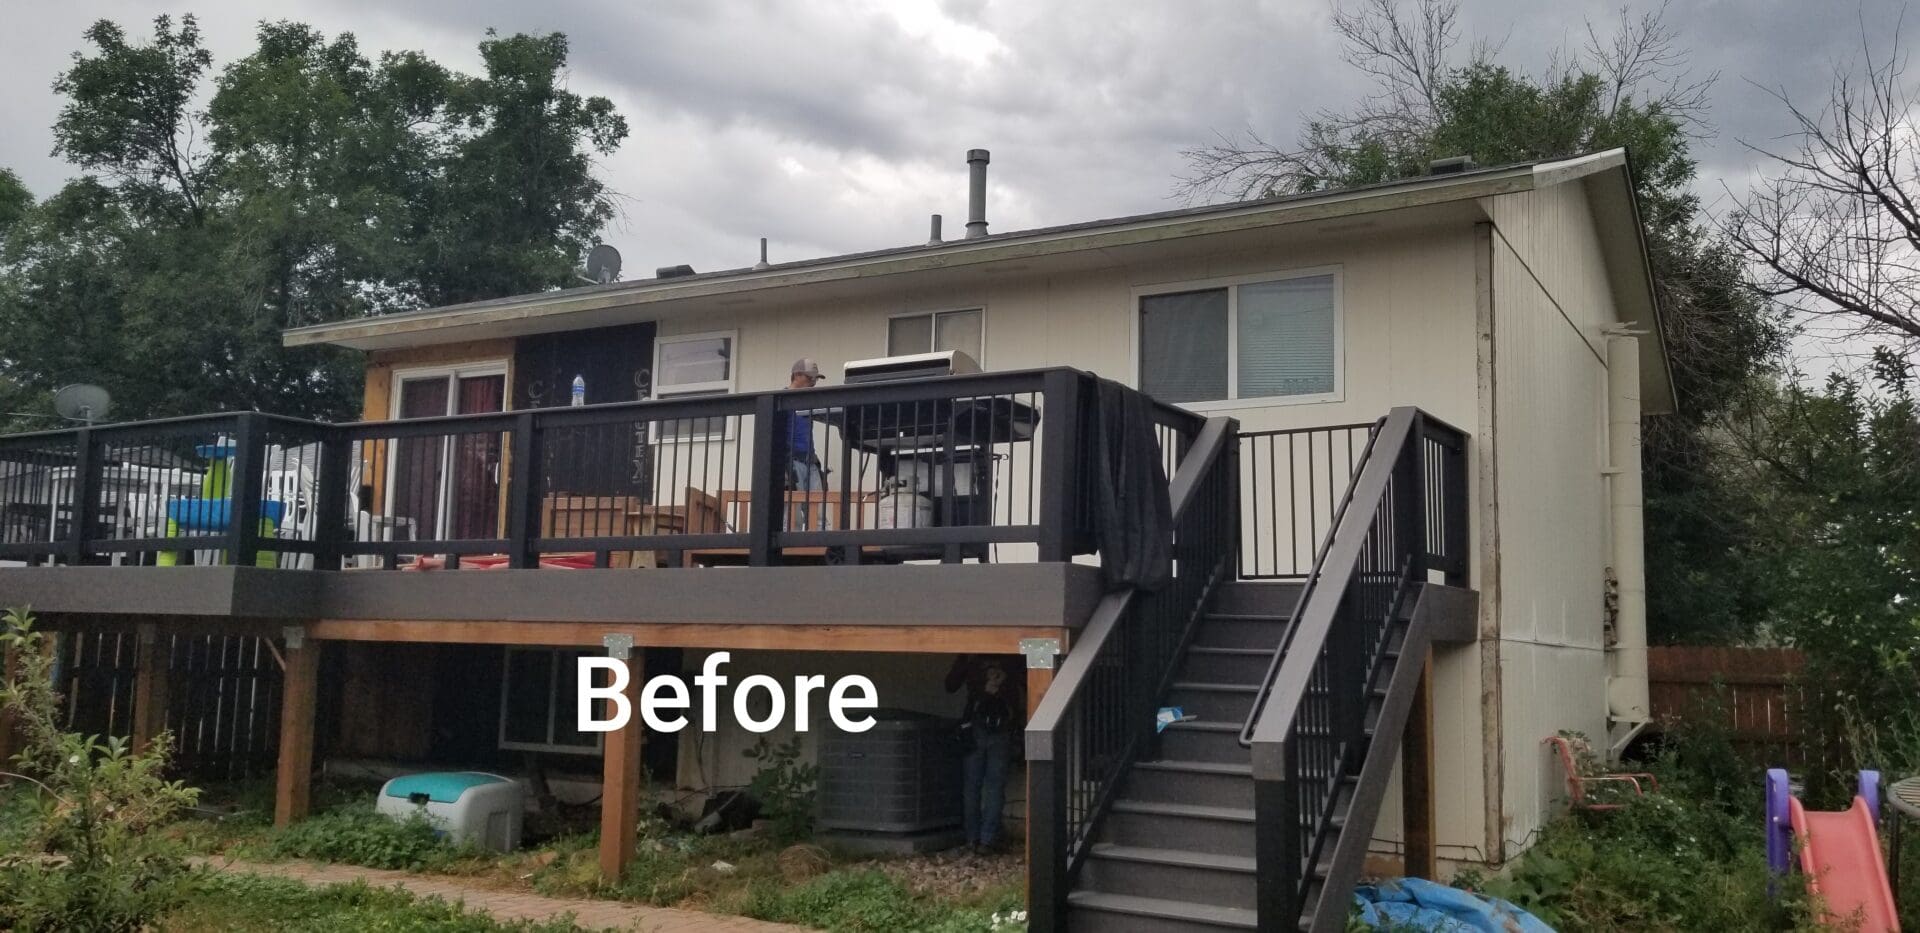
point(939, 330)
point(1273, 339)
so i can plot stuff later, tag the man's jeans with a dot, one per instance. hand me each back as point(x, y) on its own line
point(983, 785)
point(811, 484)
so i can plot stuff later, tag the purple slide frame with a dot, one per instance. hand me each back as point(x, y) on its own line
point(1780, 822)
point(1779, 825)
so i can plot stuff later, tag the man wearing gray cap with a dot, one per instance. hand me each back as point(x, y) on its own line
point(804, 474)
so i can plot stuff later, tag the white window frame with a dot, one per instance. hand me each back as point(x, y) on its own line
point(886, 336)
point(701, 388)
point(1231, 284)
point(558, 706)
point(451, 373)
point(697, 390)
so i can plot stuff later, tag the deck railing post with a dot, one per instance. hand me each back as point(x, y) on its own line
point(1453, 508)
point(523, 494)
point(1409, 506)
point(768, 480)
point(1047, 901)
point(244, 488)
point(87, 467)
point(1276, 841)
point(332, 526)
point(1059, 464)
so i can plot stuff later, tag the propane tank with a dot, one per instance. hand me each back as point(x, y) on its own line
point(904, 509)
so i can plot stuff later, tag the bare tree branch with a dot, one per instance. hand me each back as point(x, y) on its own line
point(1835, 233)
point(1642, 59)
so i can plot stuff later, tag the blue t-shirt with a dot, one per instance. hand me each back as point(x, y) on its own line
point(799, 437)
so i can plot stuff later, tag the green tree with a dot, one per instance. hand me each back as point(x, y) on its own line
point(127, 115)
point(1628, 88)
point(518, 204)
point(1833, 472)
point(15, 199)
point(317, 185)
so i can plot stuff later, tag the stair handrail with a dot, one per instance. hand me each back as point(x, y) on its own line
point(1308, 727)
point(1206, 479)
point(1286, 682)
point(1307, 588)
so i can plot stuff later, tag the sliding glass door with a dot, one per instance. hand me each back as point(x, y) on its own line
point(448, 486)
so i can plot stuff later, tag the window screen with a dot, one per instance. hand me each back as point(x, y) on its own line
point(941, 330)
point(911, 334)
point(1183, 346)
point(1286, 337)
point(958, 330)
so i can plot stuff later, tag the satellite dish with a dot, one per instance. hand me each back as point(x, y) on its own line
point(603, 264)
point(82, 402)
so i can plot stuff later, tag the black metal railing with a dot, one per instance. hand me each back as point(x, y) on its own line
point(1403, 519)
point(948, 469)
point(161, 492)
point(1097, 716)
point(1291, 485)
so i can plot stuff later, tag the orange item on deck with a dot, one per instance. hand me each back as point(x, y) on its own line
point(1840, 856)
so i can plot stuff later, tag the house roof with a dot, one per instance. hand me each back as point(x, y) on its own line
point(1604, 174)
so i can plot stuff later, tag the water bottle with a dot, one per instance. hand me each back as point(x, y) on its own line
point(579, 391)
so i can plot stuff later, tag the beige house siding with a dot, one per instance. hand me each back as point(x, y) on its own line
point(1413, 304)
point(1551, 302)
point(1407, 317)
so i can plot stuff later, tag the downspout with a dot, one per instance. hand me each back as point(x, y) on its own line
point(1627, 696)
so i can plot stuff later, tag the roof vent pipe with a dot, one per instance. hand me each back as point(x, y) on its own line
point(762, 264)
point(933, 237)
point(977, 160)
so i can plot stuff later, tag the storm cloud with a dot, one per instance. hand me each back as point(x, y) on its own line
point(838, 125)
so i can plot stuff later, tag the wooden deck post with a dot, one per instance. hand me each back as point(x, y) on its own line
point(293, 776)
point(1416, 778)
point(620, 778)
point(150, 659)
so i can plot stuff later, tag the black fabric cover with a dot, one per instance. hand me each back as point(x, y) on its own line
point(1132, 513)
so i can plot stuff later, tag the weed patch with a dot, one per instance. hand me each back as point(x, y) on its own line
point(221, 902)
point(356, 835)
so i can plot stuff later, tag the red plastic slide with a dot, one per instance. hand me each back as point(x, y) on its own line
point(1840, 855)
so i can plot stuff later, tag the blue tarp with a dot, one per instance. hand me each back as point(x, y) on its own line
point(1414, 904)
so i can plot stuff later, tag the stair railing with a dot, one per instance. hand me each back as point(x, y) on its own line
point(1404, 516)
point(1098, 714)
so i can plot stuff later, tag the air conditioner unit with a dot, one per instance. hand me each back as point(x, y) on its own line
point(910, 366)
point(901, 776)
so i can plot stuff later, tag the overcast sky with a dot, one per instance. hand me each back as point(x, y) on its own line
point(837, 125)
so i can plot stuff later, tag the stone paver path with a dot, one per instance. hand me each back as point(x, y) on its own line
point(510, 904)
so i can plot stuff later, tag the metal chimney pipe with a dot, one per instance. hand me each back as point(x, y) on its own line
point(933, 238)
point(762, 264)
point(977, 160)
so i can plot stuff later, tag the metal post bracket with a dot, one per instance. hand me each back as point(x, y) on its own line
point(619, 646)
point(1040, 652)
point(296, 637)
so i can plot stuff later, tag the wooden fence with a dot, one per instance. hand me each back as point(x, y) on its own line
point(223, 698)
point(1749, 691)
